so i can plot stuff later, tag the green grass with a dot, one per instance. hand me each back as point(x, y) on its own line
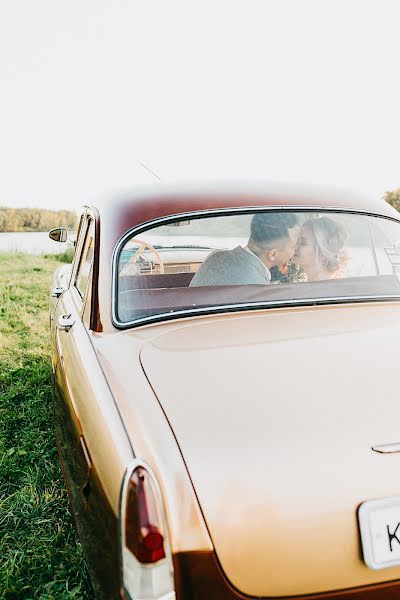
point(64, 257)
point(40, 555)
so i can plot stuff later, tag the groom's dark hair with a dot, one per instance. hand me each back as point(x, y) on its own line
point(271, 226)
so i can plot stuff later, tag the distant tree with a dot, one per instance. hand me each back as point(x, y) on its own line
point(35, 219)
point(11, 221)
point(393, 198)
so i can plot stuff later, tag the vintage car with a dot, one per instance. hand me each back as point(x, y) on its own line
point(231, 440)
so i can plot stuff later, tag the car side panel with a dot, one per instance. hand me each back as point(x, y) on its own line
point(95, 520)
point(93, 447)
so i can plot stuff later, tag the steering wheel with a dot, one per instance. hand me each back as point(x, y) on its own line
point(142, 246)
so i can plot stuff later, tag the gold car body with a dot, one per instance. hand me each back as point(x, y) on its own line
point(261, 474)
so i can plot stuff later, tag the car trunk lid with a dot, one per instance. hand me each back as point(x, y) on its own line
point(275, 414)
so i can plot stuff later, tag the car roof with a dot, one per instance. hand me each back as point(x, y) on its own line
point(126, 210)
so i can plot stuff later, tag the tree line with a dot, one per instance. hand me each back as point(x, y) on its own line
point(39, 219)
point(393, 198)
point(35, 219)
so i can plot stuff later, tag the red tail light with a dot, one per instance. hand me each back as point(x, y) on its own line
point(143, 522)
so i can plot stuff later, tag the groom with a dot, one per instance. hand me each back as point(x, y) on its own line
point(272, 242)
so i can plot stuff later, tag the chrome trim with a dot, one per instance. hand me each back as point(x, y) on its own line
point(230, 307)
point(387, 448)
point(65, 322)
point(57, 291)
point(217, 309)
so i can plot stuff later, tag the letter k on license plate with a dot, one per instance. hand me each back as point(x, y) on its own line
point(380, 532)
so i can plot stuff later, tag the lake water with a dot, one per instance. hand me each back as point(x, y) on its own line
point(31, 243)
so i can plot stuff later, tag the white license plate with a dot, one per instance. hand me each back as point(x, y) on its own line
point(380, 532)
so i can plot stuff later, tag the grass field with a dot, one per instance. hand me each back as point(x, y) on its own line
point(40, 556)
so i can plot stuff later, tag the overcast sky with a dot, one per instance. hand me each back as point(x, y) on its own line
point(282, 90)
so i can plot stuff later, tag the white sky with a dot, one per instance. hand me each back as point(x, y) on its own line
point(287, 90)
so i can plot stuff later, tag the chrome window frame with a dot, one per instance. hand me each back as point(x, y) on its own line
point(83, 257)
point(227, 308)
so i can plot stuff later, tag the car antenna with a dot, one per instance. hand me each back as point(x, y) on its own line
point(150, 171)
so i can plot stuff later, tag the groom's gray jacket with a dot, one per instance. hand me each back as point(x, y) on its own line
point(231, 267)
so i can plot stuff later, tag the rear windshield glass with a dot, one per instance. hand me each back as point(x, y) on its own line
point(261, 258)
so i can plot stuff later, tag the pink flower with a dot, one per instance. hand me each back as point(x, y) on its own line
point(284, 269)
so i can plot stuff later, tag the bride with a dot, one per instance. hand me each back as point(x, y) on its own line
point(320, 249)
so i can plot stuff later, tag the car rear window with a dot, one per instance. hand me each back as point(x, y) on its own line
point(220, 262)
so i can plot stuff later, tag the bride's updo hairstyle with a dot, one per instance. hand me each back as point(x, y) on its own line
point(330, 238)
